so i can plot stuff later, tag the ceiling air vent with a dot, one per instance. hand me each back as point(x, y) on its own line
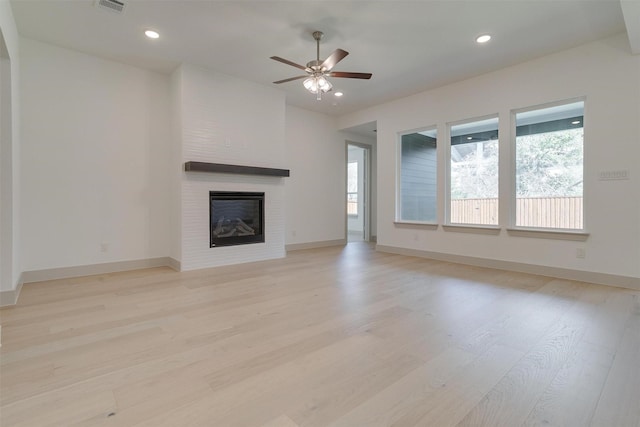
point(110, 5)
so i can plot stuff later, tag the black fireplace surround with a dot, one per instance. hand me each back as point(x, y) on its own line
point(235, 218)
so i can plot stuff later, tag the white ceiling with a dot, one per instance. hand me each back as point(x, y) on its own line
point(409, 46)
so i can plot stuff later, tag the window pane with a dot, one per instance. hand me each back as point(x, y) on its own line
point(418, 176)
point(352, 188)
point(549, 167)
point(474, 173)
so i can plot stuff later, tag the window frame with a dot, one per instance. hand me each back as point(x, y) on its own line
point(546, 232)
point(454, 226)
point(398, 187)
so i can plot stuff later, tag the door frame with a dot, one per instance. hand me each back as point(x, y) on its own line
point(366, 204)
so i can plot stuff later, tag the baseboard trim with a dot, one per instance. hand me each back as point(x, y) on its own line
point(92, 269)
point(174, 264)
point(8, 298)
point(541, 270)
point(313, 245)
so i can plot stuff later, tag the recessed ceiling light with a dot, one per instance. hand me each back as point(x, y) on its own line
point(469, 138)
point(338, 94)
point(575, 122)
point(151, 34)
point(483, 38)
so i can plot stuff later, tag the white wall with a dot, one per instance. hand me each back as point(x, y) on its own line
point(228, 120)
point(315, 193)
point(101, 161)
point(10, 260)
point(95, 155)
point(609, 77)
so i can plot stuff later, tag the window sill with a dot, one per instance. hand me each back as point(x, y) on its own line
point(413, 224)
point(545, 233)
point(477, 229)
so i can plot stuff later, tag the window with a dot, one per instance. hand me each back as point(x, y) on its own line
point(418, 173)
point(352, 188)
point(549, 167)
point(474, 173)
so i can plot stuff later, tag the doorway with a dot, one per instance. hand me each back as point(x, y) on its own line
point(358, 192)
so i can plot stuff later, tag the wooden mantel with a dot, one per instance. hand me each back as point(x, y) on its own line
point(237, 169)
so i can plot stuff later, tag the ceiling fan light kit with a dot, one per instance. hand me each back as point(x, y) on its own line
point(317, 85)
point(317, 71)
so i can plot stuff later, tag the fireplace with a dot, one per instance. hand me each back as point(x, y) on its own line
point(235, 218)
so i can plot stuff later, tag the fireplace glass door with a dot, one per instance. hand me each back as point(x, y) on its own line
point(236, 218)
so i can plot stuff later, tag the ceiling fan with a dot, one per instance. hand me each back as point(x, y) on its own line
point(317, 71)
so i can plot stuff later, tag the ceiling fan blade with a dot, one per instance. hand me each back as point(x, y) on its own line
point(335, 57)
point(290, 79)
point(349, 75)
point(286, 61)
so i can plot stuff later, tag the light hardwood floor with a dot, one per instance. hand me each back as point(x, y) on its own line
point(341, 336)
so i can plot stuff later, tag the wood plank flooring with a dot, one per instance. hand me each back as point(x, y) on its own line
point(341, 336)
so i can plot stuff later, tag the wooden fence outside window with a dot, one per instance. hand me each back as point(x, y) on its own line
point(545, 212)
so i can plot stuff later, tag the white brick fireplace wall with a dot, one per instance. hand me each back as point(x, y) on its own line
point(231, 121)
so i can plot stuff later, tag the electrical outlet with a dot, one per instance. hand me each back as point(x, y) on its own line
point(581, 252)
point(104, 247)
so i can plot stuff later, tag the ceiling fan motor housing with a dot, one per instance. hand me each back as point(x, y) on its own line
point(315, 65)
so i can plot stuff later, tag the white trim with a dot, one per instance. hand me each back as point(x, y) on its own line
point(561, 273)
point(398, 171)
point(447, 164)
point(550, 104)
point(313, 245)
point(545, 233)
point(8, 298)
point(512, 157)
point(174, 264)
point(91, 269)
point(510, 207)
point(473, 228)
point(366, 203)
point(420, 224)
